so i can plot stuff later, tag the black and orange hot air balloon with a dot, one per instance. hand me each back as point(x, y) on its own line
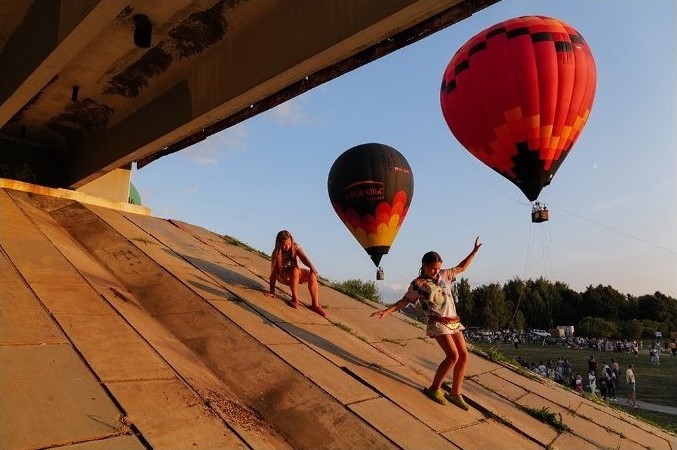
point(517, 96)
point(370, 187)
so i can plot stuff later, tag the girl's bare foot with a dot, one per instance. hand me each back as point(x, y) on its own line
point(318, 309)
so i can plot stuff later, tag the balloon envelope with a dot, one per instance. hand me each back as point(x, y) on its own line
point(370, 187)
point(517, 96)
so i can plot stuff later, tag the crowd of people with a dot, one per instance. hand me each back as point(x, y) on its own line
point(517, 337)
point(601, 380)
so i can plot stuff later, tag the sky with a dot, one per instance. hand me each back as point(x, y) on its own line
point(612, 203)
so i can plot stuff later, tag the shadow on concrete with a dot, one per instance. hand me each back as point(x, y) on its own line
point(227, 277)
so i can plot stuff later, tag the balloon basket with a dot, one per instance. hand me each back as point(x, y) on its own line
point(539, 213)
point(379, 274)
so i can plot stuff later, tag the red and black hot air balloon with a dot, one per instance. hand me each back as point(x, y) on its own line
point(517, 96)
point(370, 187)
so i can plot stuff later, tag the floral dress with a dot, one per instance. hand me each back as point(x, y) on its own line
point(437, 301)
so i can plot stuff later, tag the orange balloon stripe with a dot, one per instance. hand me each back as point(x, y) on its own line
point(378, 230)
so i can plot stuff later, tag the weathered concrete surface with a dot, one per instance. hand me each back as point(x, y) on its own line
point(181, 348)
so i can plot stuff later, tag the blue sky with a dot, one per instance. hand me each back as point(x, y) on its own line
point(613, 202)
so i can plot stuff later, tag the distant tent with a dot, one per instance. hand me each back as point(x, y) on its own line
point(134, 196)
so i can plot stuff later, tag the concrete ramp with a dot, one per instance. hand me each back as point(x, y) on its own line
point(120, 330)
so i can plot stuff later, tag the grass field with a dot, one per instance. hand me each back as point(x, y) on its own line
point(655, 383)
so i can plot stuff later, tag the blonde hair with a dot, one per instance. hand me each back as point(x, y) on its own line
point(276, 263)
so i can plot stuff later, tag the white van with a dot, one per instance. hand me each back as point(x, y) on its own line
point(540, 333)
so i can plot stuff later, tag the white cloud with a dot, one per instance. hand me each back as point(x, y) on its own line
point(234, 137)
point(289, 113)
point(208, 151)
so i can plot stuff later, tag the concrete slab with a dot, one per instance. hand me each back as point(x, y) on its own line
point(628, 444)
point(624, 428)
point(427, 354)
point(257, 264)
point(583, 428)
point(565, 398)
point(117, 442)
point(505, 409)
point(338, 345)
point(333, 299)
point(403, 385)
point(257, 325)
point(478, 365)
point(277, 310)
point(507, 389)
point(393, 327)
point(324, 373)
point(246, 422)
point(40, 263)
point(122, 355)
point(635, 422)
point(23, 320)
point(567, 441)
point(48, 388)
point(171, 416)
point(489, 434)
point(197, 253)
point(401, 427)
point(146, 246)
point(422, 352)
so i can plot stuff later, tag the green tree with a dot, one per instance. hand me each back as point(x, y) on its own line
point(604, 301)
point(466, 302)
point(533, 308)
point(632, 329)
point(570, 306)
point(649, 328)
point(597, 327)
point(658, 307)
point(359, 289)
point(496, 313)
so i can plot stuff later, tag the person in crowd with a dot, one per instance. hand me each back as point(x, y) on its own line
point(616, 369)
point(630, 379)
point(592, 365)
point(592, 384)
point(579, 383)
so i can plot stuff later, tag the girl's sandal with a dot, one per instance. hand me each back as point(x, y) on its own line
point(293, 303)
point(435, 395)
point(458, 400)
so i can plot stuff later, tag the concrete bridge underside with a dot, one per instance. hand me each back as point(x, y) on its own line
point(91, 86)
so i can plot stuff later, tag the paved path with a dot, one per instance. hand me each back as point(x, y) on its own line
point(658, 408)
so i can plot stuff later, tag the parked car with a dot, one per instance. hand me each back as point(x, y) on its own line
point(540, 333)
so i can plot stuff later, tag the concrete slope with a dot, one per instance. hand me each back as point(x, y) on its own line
point(120, 330)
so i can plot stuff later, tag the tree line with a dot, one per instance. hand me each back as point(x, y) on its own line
point(598, 311)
